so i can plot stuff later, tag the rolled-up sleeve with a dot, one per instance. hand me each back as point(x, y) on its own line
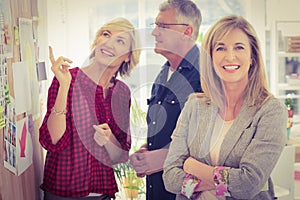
point(44, 135)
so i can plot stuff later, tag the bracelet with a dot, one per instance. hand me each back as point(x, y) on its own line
point(221, 179)
point(54, 111)
point(190, 184)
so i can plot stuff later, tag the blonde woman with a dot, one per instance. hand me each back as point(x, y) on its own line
point(86, 127)
point(229, 138)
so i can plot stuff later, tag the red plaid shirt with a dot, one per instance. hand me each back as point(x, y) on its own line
point(76, 166)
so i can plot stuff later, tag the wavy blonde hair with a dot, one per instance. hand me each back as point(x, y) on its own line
point(257, 91)
point(122, 24)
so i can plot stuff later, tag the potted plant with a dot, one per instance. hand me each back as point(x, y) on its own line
point(290, 104)
point(129, 182)
point(132, 185)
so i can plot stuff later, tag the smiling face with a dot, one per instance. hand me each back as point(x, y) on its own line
point(112, 48)
point(232, 57)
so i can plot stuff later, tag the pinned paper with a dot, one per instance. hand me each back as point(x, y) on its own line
point(41, 71)
point(6, 93)
point(30, 124)
point(21, 81)
point(16, 35)
point(2, 119)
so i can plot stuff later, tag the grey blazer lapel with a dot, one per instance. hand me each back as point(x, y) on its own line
point(242, 121)
point(206, 133)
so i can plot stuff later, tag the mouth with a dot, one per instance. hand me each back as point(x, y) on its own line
point(231, 67)
point(105, 52)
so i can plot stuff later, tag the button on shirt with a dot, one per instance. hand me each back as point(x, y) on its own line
point(166, 102)
point(76, 166)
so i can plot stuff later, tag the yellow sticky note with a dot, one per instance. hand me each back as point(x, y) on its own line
point(16, 34)
point(2, 119)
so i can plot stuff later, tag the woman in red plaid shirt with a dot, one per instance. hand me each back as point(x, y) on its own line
point(86, 128)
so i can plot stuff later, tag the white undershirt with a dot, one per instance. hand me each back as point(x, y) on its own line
point(220, 130)
point(170, 73)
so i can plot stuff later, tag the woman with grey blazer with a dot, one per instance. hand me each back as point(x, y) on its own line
point(229, 138)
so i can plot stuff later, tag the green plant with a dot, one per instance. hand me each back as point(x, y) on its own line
point(128, 179)
point(290, 104)
point(138, 126)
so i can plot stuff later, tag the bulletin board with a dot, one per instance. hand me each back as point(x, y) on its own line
point(21, 156)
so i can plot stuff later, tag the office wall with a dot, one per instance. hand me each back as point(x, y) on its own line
point(26, 185)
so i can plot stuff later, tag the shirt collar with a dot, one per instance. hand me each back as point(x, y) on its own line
point(85, 81)
point(190, 60)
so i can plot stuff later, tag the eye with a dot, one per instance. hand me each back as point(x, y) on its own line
point(121, 41)
point(219, 48)
point(161, 25)
point(106, 34)
point(164, 26)
point(239, 47)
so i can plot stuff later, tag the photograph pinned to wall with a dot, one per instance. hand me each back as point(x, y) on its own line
point(18, 149)
point(6, 36)
point(9, 143)
point(10, 157)
point(28, 54)
point(3, 81)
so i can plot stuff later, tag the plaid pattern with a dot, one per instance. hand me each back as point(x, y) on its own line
point(76, 166)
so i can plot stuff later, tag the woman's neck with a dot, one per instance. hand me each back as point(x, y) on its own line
point(234, 101)
point(102, 76)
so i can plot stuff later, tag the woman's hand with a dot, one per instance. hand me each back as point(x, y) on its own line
point(60, 68)
point(102, 134)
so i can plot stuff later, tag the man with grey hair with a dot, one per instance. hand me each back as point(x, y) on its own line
point(176, 30)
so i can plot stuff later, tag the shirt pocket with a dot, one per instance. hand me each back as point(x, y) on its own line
point(171, 100)
point(150, 100)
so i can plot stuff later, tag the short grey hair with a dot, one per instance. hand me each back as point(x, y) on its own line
point(186, 11)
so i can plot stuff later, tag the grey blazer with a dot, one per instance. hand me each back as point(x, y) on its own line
point(251, 147)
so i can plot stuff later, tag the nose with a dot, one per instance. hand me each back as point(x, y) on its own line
point(230, 54)
point(109, 42)
point(155, 31)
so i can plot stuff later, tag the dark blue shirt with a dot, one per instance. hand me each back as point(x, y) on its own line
point(167, 100)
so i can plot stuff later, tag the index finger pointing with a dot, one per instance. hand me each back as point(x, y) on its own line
point(51, 55)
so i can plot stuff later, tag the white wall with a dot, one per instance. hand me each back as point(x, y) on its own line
point(283, 10)
point(256, 15)
point(68, 28)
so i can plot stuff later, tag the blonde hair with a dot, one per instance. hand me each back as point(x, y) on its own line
point(122, 24)
point(257, 91)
